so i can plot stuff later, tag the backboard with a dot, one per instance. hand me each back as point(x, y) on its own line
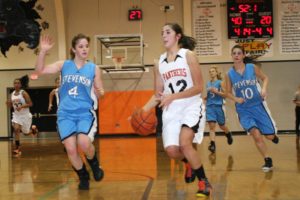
point(110, 50)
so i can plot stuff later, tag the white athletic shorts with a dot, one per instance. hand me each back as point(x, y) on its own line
point(183, 112)
point(24, 120)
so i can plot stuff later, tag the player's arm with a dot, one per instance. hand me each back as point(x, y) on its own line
point(158, 88)
point(221, 92)
point(228, 91)
point(28, 102)
point(265, 80)
point(51, 97)
point(98, 85)
point(9, 102)
point(204, 99)
point(46, 44)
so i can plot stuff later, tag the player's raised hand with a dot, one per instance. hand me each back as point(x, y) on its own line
point(46, 43)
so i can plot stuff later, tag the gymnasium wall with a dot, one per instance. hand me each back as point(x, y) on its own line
point(110, 17)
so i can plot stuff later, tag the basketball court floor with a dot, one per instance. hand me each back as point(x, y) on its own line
point(138, 169)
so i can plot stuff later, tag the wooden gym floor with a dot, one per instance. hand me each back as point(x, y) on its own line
point(138, 169)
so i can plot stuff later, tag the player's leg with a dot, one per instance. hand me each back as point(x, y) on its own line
point(70, 144)
point(227, 132)
point(186, 146)
point(67, 131)
point(17, 132)
point(262, 148)
point(88, 126)
point(26, 124)
point(86, 145)
point(246, 117)
point(212, 136)
point(170, 137)
point(265, 122)
point(221, 121)
point(297, 111)
point(211, 119)
point(34, 130)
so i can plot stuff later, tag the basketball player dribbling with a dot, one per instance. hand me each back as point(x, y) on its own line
point(215, 107)
point(80, 86)
point(178, 86)
point(22, 118)
point(249, 98)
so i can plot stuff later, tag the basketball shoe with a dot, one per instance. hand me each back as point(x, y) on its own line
point(268, 166)
point(212, 147)
point(190, 175)
point(204, 188)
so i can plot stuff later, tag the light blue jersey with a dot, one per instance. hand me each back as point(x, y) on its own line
point(76, 90)
point(246, 86)
point(254, 112)
point(214, 104)
point(212, 98)
point(77, 101)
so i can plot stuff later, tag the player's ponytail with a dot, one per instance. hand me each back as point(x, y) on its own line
point(185, 41)
point(24, 80)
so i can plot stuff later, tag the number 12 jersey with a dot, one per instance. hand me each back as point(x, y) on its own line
point(176, 74)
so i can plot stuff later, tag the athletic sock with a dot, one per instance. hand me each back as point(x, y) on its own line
point(200, 173)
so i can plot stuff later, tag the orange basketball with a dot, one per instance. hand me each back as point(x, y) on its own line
point(143, 123)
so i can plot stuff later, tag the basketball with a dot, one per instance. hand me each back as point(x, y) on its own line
point(143, 123)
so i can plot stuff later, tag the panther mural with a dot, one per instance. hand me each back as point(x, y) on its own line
point(18, 24)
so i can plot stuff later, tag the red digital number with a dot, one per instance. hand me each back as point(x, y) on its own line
point(247, 31)
point(258, 30)
point(237, 20)
point(266, 19)
point(135, 14)
point(270, 30)
point(139, 14)
point(237, 31)
point(255, 8)
point(244, 8)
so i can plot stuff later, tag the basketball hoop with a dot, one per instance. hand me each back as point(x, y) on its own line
point(118, 61)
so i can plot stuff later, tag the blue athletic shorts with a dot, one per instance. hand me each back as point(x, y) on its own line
point(257, 116)
point(77, 122)
point(215, 113)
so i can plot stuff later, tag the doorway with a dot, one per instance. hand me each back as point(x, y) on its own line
point(44, 120)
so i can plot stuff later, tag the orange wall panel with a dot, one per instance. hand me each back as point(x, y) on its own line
point(116, 107)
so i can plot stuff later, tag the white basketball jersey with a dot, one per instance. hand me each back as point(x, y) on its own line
point(17, 101)
point(176, 75)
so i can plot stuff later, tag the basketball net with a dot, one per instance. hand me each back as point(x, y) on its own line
point(118, 62)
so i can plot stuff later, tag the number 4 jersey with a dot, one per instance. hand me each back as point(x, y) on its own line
point(176, 74)
point(76, 91)
point(246, 86)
